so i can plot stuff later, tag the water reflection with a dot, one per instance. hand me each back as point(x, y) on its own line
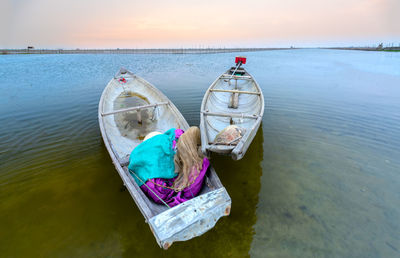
point(324, 194)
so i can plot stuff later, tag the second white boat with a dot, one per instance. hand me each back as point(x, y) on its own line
point(233, 99)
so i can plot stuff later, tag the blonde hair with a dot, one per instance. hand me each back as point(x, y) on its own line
point(188, 158)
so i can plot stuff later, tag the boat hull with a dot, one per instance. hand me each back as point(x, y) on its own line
point(184, 221)
point(231, 100)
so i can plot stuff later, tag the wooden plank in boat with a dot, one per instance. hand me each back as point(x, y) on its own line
point(230, 115)
point(237, 91)
point(134, 108)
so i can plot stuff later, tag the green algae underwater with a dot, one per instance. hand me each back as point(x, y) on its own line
point(321, 177)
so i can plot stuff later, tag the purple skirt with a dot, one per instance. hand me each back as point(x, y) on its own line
point(171, 197)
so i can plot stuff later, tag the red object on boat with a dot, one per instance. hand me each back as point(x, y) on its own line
point(241, 59)
point(122, 80)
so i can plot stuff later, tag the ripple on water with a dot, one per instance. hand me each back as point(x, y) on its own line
point(320, 179)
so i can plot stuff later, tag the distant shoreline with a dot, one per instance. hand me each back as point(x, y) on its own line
point(175, 50)
point(135, 51)
point(388, 49)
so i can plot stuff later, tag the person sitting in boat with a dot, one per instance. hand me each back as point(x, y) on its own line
point(168, 167)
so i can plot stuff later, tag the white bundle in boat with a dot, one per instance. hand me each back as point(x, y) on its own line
point(229, 135)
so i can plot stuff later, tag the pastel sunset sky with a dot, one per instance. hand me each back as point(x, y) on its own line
point(200, 23)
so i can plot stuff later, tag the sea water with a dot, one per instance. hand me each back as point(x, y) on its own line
point(321, 178)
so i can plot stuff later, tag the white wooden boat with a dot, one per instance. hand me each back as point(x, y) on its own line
point(129, 108)
point(234, 98)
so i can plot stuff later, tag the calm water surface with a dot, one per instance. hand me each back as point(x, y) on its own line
point(321, 178)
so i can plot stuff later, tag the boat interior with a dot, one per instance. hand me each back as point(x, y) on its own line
point(131, 109)
point(234, 99)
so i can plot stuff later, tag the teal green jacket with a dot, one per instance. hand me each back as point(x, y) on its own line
point(154, 158)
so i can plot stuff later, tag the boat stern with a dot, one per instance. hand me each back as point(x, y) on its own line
point(191, 218)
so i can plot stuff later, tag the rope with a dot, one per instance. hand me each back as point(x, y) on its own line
point(150, 189)
point(234, 140)
point(208, 122)
point(237, 67)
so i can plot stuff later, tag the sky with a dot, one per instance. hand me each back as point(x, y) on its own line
point(200, 23)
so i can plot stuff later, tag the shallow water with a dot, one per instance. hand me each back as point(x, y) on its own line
point(321, 178)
